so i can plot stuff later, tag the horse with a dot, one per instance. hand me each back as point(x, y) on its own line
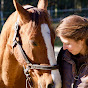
point(27, 57)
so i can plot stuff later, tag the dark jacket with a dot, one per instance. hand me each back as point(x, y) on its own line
point(73, 70)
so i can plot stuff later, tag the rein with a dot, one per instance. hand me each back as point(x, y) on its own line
point(29, 64)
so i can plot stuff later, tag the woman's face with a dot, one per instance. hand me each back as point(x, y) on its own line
point(74, 47)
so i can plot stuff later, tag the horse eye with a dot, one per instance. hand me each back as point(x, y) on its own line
point(33, 43)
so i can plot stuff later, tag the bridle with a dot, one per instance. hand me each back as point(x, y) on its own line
point(29, 64)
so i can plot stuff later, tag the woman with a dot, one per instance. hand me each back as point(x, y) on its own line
point(73, 56)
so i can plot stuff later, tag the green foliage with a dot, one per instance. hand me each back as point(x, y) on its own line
point(58, 42)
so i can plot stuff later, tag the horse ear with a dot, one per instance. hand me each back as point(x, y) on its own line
point(24, 14)
point(43, 4)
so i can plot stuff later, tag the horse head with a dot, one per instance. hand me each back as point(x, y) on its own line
point(32, 39)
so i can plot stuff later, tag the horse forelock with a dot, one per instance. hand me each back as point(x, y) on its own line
point(40, 16)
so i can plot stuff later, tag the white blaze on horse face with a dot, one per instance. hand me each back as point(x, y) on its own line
point(50, 53)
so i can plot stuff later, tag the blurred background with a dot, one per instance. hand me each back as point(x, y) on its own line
point(58, 9)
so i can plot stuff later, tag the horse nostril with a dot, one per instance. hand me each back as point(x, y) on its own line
point(50, 86)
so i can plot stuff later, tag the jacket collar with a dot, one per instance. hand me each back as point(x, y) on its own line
point(67, 56)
